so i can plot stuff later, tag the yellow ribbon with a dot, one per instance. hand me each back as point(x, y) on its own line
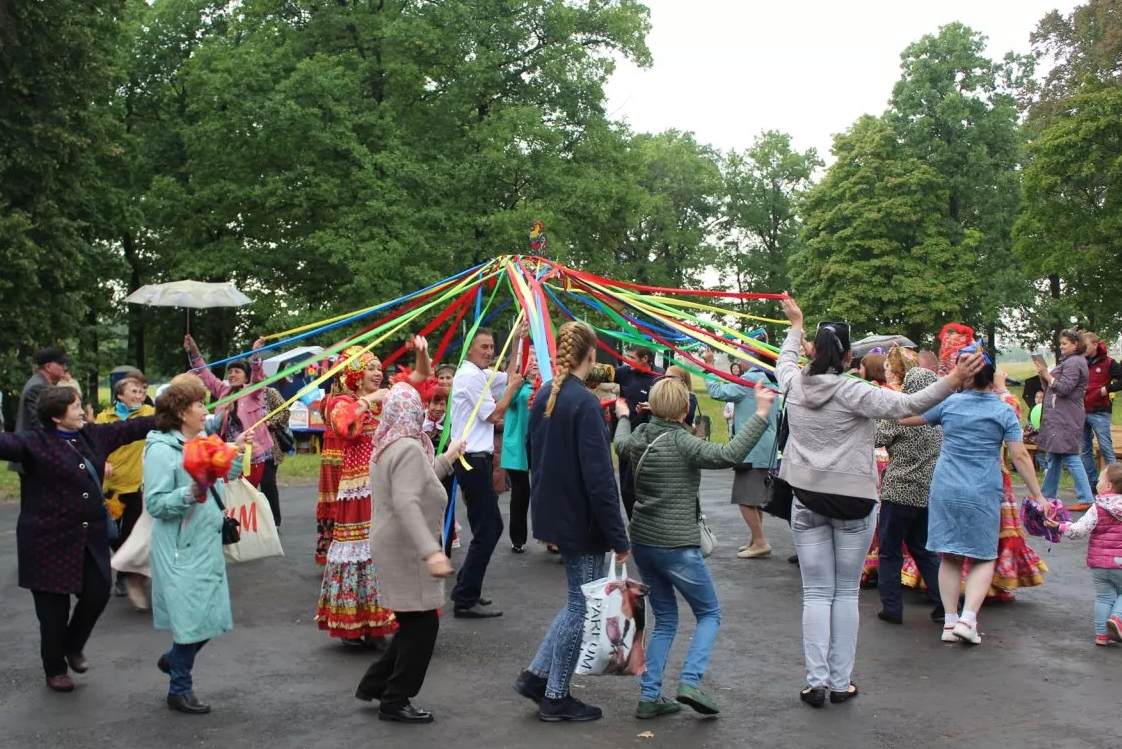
point(487, 387)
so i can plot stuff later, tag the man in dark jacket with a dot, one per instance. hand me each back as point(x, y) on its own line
point(635, 385)
point(1104, 376)
point(53, 363)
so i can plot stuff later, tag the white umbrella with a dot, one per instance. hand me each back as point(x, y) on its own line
point(189, 294)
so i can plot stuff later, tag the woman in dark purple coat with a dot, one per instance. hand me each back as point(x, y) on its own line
point(1061, 422)
point(62, 536)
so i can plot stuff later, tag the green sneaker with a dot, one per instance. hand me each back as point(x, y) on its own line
point(649, 709)
point(697, 699)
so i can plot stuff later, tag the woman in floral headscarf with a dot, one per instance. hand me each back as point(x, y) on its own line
point(348, 606)
point(406, 543)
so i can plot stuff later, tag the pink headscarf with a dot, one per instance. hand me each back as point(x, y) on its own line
point(403, 416)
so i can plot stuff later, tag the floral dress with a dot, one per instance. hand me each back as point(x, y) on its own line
point(348, 599)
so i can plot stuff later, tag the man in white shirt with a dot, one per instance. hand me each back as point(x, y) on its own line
point(468, 387)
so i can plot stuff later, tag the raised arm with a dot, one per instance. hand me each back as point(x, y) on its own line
point(216, 387)
point(121, 433)
point(625, 438)
point(423, 369)
point(702, 454)
point(13, 447)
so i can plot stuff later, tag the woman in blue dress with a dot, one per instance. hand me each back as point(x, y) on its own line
point(965, 508)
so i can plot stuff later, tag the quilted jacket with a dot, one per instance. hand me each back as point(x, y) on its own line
point(666, 489)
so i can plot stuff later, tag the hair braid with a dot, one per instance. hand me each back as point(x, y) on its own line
point(574, 341)
point(564, 364)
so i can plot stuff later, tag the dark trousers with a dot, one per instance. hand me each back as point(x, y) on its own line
point(61, 633)
point(269, 489)
point(519, 506)
point(486, 527)
point(181, 658)
point(627, 487)
point(900, 524)
point(449, 483)
point(397, 676)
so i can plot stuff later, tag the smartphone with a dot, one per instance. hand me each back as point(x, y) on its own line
point(1038, 360)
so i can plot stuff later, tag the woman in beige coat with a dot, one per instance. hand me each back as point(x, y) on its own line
point(405, 544)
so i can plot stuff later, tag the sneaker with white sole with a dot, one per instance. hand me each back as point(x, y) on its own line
point(967, 633)
point(948, 634)
point(1114, 628)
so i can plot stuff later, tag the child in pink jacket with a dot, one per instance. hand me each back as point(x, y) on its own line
point(1103, 523)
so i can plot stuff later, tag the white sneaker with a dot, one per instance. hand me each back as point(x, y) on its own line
point(948, 634)
point(967, 633)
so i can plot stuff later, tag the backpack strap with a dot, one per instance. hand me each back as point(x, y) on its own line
point(639, 465)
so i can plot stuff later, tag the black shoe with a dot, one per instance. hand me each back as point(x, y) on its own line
point(839, 697)
point(476, 612)
point(484, 601)
point(813, 696)
point(164, 665)
point(517, 549)
point(938, 614)
point(793, 559)
point(119, 588)
point(187, 703)
point(891, 618)
point(531, 686)
point(404, 714)
point(568, 708)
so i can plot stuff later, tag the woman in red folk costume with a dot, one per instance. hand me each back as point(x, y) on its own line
point(330, 473)
point(348, 600)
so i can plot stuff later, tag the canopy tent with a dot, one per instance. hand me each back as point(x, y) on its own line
point(300, 354)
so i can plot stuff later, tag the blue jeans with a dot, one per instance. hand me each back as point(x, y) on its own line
point(557, 656)
point(182, 660)
point(1108, 596)
point(665, 571)
point(831, 556)
point(1097, 426)
point(1057, 462)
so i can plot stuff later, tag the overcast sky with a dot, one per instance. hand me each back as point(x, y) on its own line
point(728, 69)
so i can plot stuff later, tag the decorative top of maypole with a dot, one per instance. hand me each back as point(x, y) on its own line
point(539, 242)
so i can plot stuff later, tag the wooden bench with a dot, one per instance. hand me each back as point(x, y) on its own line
point(1116, 435)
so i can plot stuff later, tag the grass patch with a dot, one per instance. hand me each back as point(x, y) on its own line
point(298, 469)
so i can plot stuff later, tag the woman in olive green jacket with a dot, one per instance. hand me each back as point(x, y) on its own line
point(665, 539)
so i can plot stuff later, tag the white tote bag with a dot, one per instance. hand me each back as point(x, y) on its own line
point(614, 623)
point(132, 557)
point(259, 537)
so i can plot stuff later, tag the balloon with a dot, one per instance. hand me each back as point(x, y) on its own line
point(1034, 416)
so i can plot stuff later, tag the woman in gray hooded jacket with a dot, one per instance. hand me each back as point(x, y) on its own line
point(829, 463)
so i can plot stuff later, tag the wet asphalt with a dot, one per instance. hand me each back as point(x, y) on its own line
point(1036, 682)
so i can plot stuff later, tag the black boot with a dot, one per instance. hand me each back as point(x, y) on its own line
point(187, 703)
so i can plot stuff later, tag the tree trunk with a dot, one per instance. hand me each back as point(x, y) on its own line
point(135, 312)
point(991, 340)
point(91, 356)
point(1057, 324)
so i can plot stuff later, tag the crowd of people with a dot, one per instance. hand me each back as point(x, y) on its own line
point(934, 509)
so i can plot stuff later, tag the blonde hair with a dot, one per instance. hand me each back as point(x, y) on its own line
point(574, 341)
point(681, 374)
point(1113, 474)
point(669, 399)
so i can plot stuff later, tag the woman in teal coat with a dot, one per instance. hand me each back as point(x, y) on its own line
point(190, 594)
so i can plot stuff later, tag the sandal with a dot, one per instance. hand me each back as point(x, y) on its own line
point(813, 696)
point(839, 697)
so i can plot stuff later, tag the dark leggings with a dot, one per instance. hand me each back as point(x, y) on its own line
point(519, 506)
point(62, 633)
point(270, 490)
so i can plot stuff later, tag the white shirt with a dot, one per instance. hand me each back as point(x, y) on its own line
point(468, 386)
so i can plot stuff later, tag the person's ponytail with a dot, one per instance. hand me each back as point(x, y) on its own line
point(574, 341)
point(829, 351)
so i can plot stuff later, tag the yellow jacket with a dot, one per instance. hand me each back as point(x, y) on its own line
point(128, 461)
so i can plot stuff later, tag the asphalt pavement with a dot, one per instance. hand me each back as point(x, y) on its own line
point(1036, 682)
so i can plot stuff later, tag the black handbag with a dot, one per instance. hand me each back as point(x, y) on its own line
point(779, 493)
point(231, 528)
point(286, 440)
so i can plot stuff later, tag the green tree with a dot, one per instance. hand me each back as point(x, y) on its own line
point(55, 75)
point(1068, 235)
point(953, 111)
point(760, 230)
point(877, 240)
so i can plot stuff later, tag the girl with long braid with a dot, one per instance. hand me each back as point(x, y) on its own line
point(574, 504)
